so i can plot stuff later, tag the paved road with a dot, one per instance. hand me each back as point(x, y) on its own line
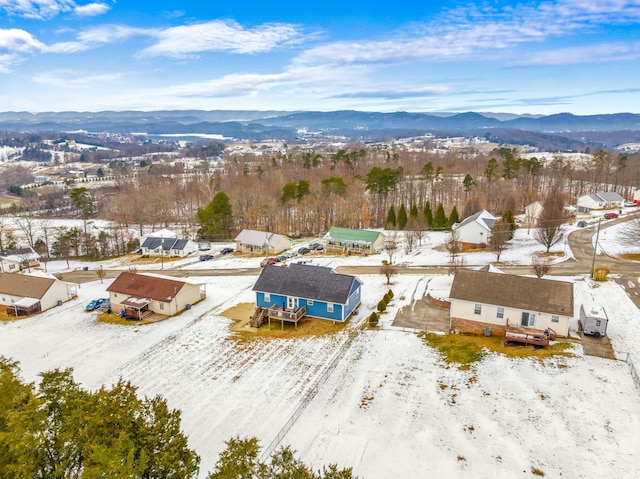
point(580, 242)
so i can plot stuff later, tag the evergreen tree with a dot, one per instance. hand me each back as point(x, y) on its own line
point(453, 217)
point(427, 214)
point(510, 219)
point(468, 183)
point(215, 218)
point(391, 221)
point(402, 217)
point(440, 219)
point(413, 212)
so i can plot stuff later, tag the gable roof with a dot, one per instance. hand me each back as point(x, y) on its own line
point(153, 242)
point(520, 292)
point(259, 238)
point(24, 285)
point(483, 218)
point(348, 234)
point(306, 281)
point(19, 255)
point(145, 286)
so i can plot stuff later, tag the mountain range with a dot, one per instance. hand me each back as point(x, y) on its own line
point(357, 125)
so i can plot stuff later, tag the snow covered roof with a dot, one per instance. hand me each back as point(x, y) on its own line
point(484, 218)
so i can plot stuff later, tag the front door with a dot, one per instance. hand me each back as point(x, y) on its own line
point(292, 303)
point(525, 319)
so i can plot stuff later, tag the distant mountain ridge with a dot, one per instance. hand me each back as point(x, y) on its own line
point(254, 124)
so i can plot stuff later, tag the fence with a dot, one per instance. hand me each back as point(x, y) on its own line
point(308, 397)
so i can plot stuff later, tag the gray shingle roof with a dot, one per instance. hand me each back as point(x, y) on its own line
point(153, 242)
point(306, 281)
point(509, 290)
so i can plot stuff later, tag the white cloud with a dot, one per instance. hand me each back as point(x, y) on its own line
point(16, 40)
point(91, 9)
point(585, 54)
point(93, 37)
point(221, 35)
point(74, 79)
point(37, 9)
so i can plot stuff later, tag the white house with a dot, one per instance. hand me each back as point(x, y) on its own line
point(532, 212)
point(160, 246)
point(249, 241)
point(474, 231)
point(16, 260)
point(139, 294)
point(602, 200)
point(29, 294)
point(482, 300)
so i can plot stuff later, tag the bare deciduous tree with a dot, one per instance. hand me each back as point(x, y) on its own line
point(453, 247)
point(388, 270)
point(500, 235)
point(540, 266)
point(551, 218)
point(631, 231)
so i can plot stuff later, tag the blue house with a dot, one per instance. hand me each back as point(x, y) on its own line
point(289, 293)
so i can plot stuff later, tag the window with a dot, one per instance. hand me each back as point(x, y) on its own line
point(500, 313)
point(161, 305)
point(310, 302)
point(555, 318)
point(477, 309)
point(267, 297)
point(329, 307)
point(598, 322)
point(532, 319)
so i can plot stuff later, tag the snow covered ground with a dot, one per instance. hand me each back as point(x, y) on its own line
point(391, 407)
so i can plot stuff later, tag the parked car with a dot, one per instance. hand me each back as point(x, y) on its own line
point(280, 258)
point(316, 246)
point(226, 250)
point(290, 254)
point(610, 216)
point(303, 250)
point(267, 261)
point(582, 224)
point(94, 304)
point(206, 257)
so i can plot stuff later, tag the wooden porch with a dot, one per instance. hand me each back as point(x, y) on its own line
point(528, 336)
point(282, 315)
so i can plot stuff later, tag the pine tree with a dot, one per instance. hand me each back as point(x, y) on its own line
point(413, 213)
point(427, 214)
point(402, 217)
point(440, 219)
point(391, 221)
point(453, 217)
point(510, 219)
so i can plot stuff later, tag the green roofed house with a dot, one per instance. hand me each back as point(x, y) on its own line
point(350, 241)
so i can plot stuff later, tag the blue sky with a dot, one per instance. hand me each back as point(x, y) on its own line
point(538, 57)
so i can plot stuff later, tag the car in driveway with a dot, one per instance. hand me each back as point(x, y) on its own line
point(582, 224)
point(304, 250)
point(206, 257)
point(610, 216)
point(226, 250)
point(95, 304)
point(290, 254)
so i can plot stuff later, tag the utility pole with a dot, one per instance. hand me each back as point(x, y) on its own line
point(595, 249)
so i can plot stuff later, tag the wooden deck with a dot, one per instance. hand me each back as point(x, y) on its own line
point(529, 336)
point(289, 315)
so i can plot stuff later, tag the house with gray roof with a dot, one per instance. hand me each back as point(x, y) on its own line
point(483, 300)
point(602, 200)
point(475, 230)
point(161, 246)
point(307, 290)
point(252, 241)
point(348, 240)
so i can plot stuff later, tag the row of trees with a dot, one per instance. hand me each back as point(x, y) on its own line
point(59, 430)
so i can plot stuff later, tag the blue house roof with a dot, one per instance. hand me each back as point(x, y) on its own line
point(306, 281)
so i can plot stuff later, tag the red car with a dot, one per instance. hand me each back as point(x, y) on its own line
point(267, 261)
point(610, 216)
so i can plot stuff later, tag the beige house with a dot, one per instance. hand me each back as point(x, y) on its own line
point(137, 295)
point(252, 241)
point(25, 294)
point(483, 300)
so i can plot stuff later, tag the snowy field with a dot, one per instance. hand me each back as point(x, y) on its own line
point(391, 407)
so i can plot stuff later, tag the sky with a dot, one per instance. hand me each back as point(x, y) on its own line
point(530, 57)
